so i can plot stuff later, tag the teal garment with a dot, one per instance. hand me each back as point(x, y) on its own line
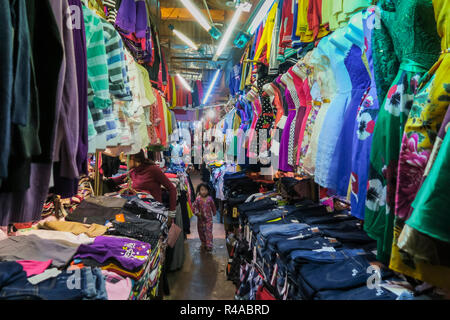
point(385, 60)
point(431, 213)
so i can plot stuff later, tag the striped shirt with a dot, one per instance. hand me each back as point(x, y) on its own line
point(115, 57)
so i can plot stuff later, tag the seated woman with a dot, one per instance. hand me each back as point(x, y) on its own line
point(146, 176)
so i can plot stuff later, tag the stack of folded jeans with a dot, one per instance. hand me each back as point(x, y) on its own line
point(289, 240)
point(81, 284)
point(323, 281)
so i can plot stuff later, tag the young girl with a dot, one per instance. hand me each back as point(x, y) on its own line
point(204, 208)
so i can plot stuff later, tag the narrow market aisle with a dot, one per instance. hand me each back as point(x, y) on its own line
point(203, 276)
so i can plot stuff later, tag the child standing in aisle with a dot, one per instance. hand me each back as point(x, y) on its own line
point(204, 208)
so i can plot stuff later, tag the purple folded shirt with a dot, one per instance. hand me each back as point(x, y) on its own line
point(131, 254)
point(132, 17)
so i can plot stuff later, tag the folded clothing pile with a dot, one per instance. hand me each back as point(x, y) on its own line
point(80, 284)
point(302, 251)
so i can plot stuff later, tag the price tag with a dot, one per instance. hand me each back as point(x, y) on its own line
point(254, 255)
point(120, 217)
point(274, 275)
point(235, 212)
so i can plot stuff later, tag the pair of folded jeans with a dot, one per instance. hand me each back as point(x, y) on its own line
point(360, 293)
point(79, 284)
point(308, 256)
point(345, 231)
point(285, 247)
point(350, 273)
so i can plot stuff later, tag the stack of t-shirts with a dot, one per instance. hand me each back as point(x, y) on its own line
point(295, 190)
point(32, 247)
point(147, 285)
point(97, 210)
point(238, 184)
point(123, 256)
point(132, 226)
point(19, 281)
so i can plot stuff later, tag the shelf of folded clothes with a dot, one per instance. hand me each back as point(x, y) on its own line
point(292, 249)
point(109, 247)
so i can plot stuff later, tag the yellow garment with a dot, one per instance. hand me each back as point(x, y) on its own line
point(326, 10)
point(92, 230)
point(266, 37)
point(190, 213)
point(174, 92)
point(97, 7)
point(147, 87)
point(113, 267)
point(302, 18)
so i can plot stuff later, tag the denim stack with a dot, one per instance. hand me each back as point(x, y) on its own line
point(300, 251)
point(81, 284)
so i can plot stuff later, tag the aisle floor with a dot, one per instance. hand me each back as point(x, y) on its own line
point(203, 276)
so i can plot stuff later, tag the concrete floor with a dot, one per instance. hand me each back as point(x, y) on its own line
point(203, 276)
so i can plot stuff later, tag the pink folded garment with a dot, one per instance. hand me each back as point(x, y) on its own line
point(32, 267)
point(117, 287)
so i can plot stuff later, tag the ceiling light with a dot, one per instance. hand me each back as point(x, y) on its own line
point(253, 23)
point(196, 13)
point(229, 31)
point(211, 86)
point(183, 38)
point(262, 13)
point(184, 82)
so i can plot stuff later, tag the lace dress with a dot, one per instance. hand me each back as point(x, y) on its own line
point(416, 44)
point(325, 80)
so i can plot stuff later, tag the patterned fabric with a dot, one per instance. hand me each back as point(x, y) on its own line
point(365, 122)
point(409, 20)
point(423, 174)
point(205, 210)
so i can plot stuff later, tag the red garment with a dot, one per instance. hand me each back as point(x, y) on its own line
point(200, 90)
point(264, 294)
point(315, 16)
point(149, 178)
point(304, 96)
point(32, 267)
point(287, 24)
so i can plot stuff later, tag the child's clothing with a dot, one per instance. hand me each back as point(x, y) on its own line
point(205, 209)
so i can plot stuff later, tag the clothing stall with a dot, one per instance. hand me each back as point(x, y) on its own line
point(82, 99)
point(343, 103)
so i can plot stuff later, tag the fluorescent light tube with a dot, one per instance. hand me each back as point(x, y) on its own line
point(229, 31)
point(260, 16)
point(211, 86)
point(184, 82)
point(196, 14)
point(185, 39)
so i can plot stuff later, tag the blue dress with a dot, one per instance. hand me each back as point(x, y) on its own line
point(338, 47)
point(362, 137)
point(340, 170)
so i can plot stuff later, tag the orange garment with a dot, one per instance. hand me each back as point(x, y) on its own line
point(161, 127)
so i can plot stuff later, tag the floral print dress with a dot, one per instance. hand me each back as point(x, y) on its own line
point(416, 44)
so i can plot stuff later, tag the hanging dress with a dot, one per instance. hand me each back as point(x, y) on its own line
point(416, 43)
point(325, 80)
point(424, 173)
point(333, 122)
point(365, 122)
point(356, 64)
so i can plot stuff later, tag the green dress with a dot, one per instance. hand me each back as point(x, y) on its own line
point(417, 46)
